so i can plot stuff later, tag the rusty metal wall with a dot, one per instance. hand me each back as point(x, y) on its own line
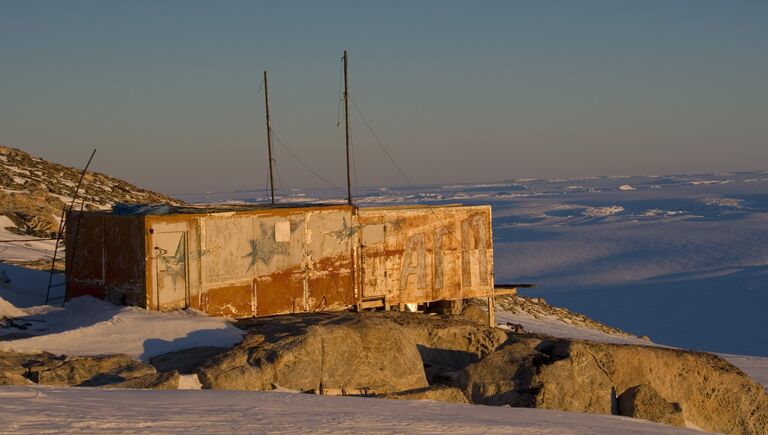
point(423, 254)
point(283, 260)
point(105, 257)
point(246, 263)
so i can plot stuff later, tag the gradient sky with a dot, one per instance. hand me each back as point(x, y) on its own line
point(167, 91)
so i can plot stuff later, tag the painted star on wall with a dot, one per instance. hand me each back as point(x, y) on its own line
point(345, 232)
point(264, 248)
point(175, 266)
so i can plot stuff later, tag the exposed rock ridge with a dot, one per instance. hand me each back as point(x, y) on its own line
point(33, 191)
point(539, 308)
point(108, 371)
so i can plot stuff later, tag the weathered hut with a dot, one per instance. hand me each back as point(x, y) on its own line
point(259, 261)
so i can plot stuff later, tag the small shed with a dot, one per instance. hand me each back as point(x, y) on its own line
point(258, 261)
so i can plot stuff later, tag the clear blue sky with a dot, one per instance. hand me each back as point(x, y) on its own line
point(458, 91)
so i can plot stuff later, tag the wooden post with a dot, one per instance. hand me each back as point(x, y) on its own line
point(491, 310)
point(269, 137)
point(346, 124)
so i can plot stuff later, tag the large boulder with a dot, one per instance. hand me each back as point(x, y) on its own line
point(370, 352)
point(452, 342)
point(88, 370)
point(108, 371)
point(13, 366)
point(576, 375)
point(359, 354)
point(642, 401)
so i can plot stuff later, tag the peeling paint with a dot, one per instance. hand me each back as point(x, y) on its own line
point(269, 261)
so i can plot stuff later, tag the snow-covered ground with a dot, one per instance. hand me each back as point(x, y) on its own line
point(26, 249)
point(83, 410)
point(89, 326)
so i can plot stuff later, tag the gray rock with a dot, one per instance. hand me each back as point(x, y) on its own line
point(13, 366)
point(574, 375)
point(185, 361)
point(361, 353)
point(475, 313)
point(90, 371)
point(642, 401)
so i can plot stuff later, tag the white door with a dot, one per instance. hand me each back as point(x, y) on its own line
point(171, 270)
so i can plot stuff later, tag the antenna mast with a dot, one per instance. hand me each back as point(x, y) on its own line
point(346, 124)
point(269, 137)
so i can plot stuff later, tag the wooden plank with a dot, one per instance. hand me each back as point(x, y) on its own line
point(375, 303)
point(491, 312)
point(505, 291)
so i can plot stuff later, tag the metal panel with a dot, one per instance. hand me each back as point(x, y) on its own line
point(264, 262)
point(85, 255)
point(227, 265)
point(330, 237)
point(426, 254)
point(124, 260)
point(169, 268)
point(279, 261)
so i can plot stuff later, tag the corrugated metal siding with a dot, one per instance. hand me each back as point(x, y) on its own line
point(124, 260)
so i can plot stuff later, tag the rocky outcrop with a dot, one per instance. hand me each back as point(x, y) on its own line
point(12, 372)
point(419, 357)
point(437, 393)
point(33, 192)
point(185, 361)
point(13, 366)
point(366, 352)
point(359, 355)
point(642, 401)
point(583, 376)
point(111, 371)
point(538, 308)
point(452, 342)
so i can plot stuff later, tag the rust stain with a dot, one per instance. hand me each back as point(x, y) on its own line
point(280, 292)
point(228, 301)
point(330, 287)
